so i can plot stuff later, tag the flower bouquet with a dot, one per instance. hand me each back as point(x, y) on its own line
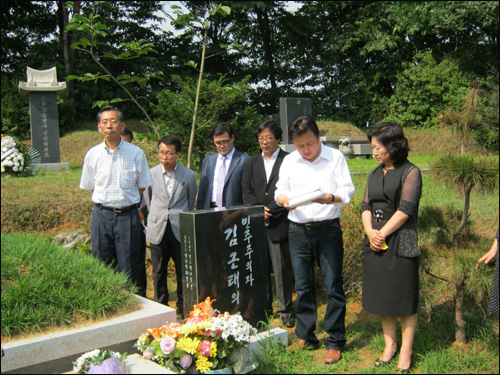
point(100, 362)
point(17, 158)
point(206, 341)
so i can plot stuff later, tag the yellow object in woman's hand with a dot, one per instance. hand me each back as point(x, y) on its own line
point(384, 246)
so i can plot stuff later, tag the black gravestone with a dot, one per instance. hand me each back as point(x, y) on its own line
point(45, 125)
point(224, 257)
point(290, 109)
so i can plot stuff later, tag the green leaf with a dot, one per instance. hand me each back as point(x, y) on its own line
point(191, 64)
point(100, 26)
point(77, 18)
point(73, 77)
point(100, 103)
point(110, 55)
point(223, 10)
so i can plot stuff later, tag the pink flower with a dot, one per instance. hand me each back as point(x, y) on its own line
point(185, 361)
point(205, 348)
point(148, 354)
point(193, 320)
point(167, 344)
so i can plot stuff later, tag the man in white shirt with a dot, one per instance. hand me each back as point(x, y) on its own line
point(315, 233)
point(117, 172)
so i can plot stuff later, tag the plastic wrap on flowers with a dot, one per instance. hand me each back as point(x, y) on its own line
point(18, 159)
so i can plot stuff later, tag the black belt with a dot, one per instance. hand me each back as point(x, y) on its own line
point(118, 210)
point(316, 224)
point(212, 205)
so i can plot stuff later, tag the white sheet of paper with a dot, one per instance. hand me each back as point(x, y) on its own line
point(304, 198)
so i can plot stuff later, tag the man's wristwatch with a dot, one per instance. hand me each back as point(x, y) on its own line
point(333, 198)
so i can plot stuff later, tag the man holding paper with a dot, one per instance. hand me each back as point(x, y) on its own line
point(314, 183)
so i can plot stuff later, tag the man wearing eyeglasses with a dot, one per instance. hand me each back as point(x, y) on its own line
point(221, 173)
point(259, 183)
point(173, 191)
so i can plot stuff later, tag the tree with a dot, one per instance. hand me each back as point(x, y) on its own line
point(197, 24)
point(91, 31)
point(465, 172)
point(424, 89)
point(220, 101)
point(467, 118)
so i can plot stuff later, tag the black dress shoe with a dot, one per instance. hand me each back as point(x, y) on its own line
point(404, 371)
point(379, 362)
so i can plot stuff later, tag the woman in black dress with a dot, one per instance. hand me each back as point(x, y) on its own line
point(390, 265)
point(486, 258)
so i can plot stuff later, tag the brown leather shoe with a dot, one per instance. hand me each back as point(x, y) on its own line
point(332, 356)
point(302, 345)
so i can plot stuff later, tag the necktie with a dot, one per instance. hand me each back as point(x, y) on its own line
point(221, 177)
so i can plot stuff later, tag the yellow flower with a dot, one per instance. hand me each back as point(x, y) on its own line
point(188, 344)
point(203, 364)
point(213, 349)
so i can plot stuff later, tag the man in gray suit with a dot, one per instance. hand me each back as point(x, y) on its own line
point(173, 191)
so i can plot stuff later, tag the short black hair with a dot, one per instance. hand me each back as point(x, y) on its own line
point(110, 108)
point(171, 140)
point(391, 135)
point(272, 125)
point(221, 128)
point(128, 132)
point(302, 125)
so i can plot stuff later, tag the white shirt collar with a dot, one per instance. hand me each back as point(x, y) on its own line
point(274, 156)
point(228, 156)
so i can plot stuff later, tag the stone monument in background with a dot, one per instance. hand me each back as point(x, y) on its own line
point(42, 87)
point(290, 109)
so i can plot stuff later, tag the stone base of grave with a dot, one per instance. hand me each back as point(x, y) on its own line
point(53, 166)
point(138, 365)
point(55, 352)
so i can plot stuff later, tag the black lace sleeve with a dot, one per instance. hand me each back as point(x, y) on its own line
point(411, 192)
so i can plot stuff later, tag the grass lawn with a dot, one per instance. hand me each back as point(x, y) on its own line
point(45, 286)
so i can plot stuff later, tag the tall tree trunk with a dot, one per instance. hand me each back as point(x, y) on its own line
point(459, 312)
point(465, 214)
point(197, 100)
point(68, 54)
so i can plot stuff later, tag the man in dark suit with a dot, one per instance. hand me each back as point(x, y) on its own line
point(173, 191)
point(221, 173)
point(259, 183)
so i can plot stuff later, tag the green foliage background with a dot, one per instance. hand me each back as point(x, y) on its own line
point(359, 62)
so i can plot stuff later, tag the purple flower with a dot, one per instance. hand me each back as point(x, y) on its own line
point(108, 366)
point(167, 345)
point(185, 361)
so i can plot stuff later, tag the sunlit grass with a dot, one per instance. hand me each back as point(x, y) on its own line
point(44, 285)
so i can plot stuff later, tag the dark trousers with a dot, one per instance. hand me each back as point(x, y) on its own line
point(279, 257)
point(161, 253)
point(116, 240)
point(142, 279)
point(323, 245)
